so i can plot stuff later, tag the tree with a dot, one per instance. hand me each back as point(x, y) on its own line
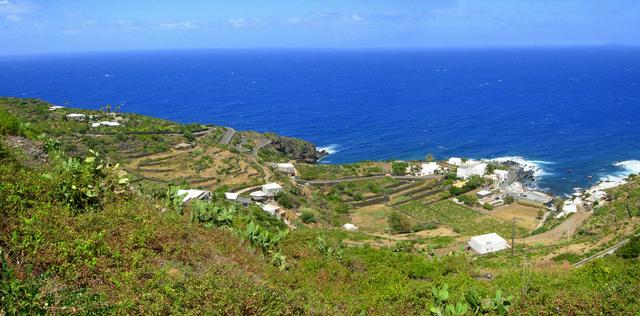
point(430, 158)
point(540, 214)
point(490, 168)
point(509, 199)
point(398, 223)
point(558, 205)
point(399, 168)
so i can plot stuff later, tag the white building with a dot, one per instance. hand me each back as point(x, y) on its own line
point(429, 168)
point(271, 189)
point(55, 107)
point(483, 194)
point(188, 195)
point(231, 196)
point(455, 161)
point(258, 195)
point(110, 124)
point(471, 168)
point(76, 116)
point(488, 243)
point(569, 207)
point(596, 196)
point(270, 208)
point(350, 227)
point(502, 175)
point(286, 168)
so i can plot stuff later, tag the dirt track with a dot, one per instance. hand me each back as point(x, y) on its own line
point(567, 227)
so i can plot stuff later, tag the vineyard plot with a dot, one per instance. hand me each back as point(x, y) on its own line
point(462, 219)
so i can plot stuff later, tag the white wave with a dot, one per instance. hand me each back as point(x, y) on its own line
point(629, 166)
point(533, 166)
point(331, 149)
point(626, 167)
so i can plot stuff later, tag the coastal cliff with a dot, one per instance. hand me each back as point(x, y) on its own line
point(294, 148)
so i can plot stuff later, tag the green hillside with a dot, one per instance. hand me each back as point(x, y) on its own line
point(82, 235)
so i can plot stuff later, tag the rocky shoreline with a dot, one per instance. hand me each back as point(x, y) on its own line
point(297, 149)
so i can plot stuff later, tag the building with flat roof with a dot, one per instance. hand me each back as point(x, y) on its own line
point(231, 196)
point(271, 189)
point(287, 167)
point(429, 168)
point(258, 195)
point(455, 161)
point(471, 168)
point(483, 194)
point(188, 195)
point(76, 117)
point(488, 243)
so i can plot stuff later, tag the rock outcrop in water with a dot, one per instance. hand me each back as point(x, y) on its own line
point(524, 175)
point(300, 150)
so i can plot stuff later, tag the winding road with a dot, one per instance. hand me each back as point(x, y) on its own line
point(226, 138)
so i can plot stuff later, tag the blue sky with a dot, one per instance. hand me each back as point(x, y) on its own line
point(32, 26)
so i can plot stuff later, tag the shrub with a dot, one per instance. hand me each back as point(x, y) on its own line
point(509, 199)
point(399, 168)
point(567, 256)
point(423, 226)
point(17, 296)
point(487, 206)
point(83, 184)
point(287, 200)
point(630, 250)
point(211, 214)
point(468, 199)
point(308, 217)
point(9, 125)
point(398, 223)
point(404, 246)
point(342, 208)
point(4, 151)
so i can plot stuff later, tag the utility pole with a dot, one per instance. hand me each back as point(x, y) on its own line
point(513, 236)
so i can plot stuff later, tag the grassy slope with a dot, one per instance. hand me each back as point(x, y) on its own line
point(126, 255)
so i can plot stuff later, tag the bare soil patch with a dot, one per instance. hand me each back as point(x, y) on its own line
point(527, 216)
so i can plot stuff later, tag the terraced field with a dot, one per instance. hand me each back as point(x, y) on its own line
point(200, 167)
point(462, 219)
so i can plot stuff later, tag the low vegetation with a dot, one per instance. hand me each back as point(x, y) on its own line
point(78, 237)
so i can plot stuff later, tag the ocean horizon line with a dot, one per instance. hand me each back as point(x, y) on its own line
point(330, 49)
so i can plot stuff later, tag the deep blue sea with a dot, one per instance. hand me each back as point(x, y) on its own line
point(573, 111)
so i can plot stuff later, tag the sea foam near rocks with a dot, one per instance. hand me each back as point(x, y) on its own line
point(533, 167)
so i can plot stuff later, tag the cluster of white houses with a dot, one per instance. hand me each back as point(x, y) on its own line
point(79, 117)
point(263, 198)
point(587, 199)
